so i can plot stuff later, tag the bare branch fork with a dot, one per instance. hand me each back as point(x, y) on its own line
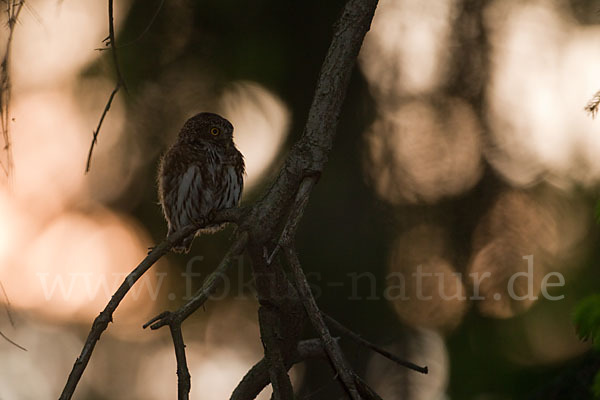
point(331, 346)
point(258, 377)
point(174, 319)
point(110, 40)
point(283, 306)
point(101, 322)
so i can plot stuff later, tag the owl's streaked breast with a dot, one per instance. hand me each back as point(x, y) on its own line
point(200, 175)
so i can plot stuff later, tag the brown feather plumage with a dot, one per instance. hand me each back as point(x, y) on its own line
point(201, 173)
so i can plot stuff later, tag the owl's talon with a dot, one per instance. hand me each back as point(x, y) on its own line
point(151, 249)
point(199, 222)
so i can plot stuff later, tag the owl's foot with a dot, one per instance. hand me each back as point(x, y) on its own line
point(184, 246)
point(151, 249)
point(200, 221)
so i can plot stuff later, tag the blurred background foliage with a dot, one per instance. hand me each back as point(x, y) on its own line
point(462, 147)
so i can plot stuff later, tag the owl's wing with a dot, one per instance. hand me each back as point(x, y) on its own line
point(236, 159)
point(240, 169)
point(168, 178)
point(182, 186)
point(232, 180)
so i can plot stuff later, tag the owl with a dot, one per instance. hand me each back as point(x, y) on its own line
point(201, 173)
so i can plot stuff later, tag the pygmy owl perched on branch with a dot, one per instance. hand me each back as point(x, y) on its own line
point(200, 174)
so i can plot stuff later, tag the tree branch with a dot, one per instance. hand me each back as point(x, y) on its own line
point(208, 287)
point(176, 318)
point(12, 341)
point(13, 9)
point(357, 338)
point(101, 322)
point(7, 306)
point(365, 390)
point(281, 319)
point(297, 210)
point(273, 342)
point(147, 29)
point(258, 377)
point(314, 314)
point(280, 314)
point(120, 83)
point(309, 155)
point(307, 158)
point(97, 131)
point(183, 374)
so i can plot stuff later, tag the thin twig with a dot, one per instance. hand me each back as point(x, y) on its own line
point(120, 83)
point(10, 318)
point(97, 131)
point(101, 322)
point(175, 319)
point(314, 314)
point(208, 288)
point(113, 44)
point(297, 210)
point(357, 338)
point(35, 15)
point(145, 31)
point(7, 305)
point(13, 9)
point(184, 383)
point(12, 342)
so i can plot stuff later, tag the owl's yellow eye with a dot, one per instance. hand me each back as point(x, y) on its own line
point(215, 131)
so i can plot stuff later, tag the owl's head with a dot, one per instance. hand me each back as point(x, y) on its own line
point(207, 126)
